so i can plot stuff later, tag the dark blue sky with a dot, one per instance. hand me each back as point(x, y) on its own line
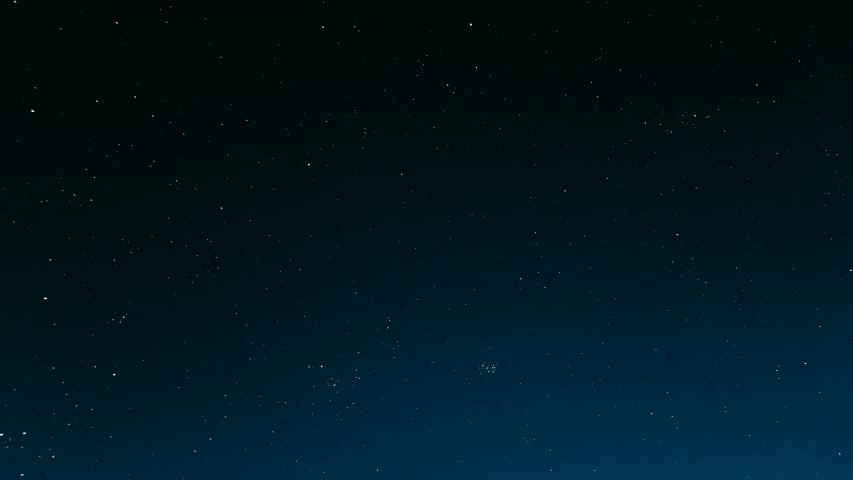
point(599, 241)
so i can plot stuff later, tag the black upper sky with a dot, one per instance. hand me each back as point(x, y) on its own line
point(337, 240)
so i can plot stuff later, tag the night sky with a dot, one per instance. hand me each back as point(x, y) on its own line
point(338, 240)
